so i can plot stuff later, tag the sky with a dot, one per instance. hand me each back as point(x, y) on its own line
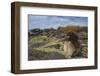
point(42, 22)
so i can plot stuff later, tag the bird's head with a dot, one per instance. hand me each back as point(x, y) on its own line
point(71, 36)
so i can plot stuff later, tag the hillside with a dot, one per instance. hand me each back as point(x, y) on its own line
point(46, 43)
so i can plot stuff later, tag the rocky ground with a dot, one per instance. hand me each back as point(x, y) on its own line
point(48, 46)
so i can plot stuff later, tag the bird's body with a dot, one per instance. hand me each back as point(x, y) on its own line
point(71, 45)
point(69, 49)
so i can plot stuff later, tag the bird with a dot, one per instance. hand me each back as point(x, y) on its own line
point(71, 45)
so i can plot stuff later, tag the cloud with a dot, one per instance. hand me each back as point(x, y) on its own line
point(54, 21)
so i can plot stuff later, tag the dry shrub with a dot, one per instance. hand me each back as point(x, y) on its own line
point(70, 28)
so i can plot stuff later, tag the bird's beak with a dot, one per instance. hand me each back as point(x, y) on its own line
point(67, 37)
